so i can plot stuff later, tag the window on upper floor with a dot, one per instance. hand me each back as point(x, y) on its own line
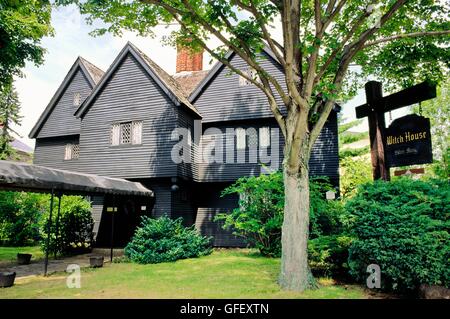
point(264, 136)
point(126, 133)
point(72, 151)
point(240, 138)
point(76, 99)
point(251, 73)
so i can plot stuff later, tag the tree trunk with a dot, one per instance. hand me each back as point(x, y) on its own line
point(295, 273)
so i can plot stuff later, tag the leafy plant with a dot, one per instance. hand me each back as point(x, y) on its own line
point(165, 240)
point(74, 231)
point(259, 217)
point(402, 226)
point(20, 215)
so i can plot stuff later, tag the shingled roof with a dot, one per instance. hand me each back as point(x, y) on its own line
point(94, 72)
point(189, 80)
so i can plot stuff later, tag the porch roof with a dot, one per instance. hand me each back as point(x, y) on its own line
point(28, 177)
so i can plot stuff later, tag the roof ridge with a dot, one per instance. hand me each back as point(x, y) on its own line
point(94, 71)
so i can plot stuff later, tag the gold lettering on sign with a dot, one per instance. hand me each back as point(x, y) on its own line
point(406, 137)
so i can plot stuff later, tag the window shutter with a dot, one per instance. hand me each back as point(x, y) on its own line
point(240, 136)
point(68, 152)
point(115, 134)
point(137, 132)
point(264, 136)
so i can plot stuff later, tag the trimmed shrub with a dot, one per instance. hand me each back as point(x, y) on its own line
point(402, 226)
point(75, 229)
point(165, 240)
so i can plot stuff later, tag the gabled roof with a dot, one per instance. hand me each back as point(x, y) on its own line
point(93, 75)
point(164, 80)
point(215, 70)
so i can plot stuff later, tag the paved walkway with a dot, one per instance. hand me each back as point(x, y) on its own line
point(36, 268)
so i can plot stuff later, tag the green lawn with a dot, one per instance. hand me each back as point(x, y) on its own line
point(9, 254)
point(224, 274)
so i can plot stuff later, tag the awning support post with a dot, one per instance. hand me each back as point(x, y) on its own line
point(57, 222)
point(49, 229)
point(112, 227)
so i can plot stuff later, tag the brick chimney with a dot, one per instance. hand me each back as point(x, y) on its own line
point(187, 60)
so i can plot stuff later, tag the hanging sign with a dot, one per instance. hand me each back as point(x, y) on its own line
point(408, 141)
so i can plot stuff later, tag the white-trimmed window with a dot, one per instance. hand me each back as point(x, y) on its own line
point(264, 136)
point(76, 99)
point(240, 138)
point(126, 133)
point(72, 151)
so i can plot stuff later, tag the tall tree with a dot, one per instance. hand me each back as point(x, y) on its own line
point(9, 116)
point(401, 40)
point(23, 23)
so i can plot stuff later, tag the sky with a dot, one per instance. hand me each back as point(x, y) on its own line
point(72, 39)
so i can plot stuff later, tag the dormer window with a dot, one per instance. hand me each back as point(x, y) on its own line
point(126, 133)
point(76, 99)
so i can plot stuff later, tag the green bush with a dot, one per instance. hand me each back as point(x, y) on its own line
point(328, 255)
point(20, 215)
point(402, 226)
point(75, 228)
point(165, 240)
point(259, 218)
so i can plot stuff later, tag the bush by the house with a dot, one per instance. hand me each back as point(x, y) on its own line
point(259, 219)
point(402, 226)
point(75, 227)
point(20, 215)
point(165, 240)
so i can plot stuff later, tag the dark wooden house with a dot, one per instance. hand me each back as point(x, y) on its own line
point(125, 123)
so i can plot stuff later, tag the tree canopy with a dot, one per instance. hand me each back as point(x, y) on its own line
point(23, 23)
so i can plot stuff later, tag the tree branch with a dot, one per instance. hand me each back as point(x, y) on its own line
point(406, 35)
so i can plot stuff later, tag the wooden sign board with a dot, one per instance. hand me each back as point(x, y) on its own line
point(408, 141)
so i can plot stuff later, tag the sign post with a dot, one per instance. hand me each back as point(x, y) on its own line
point(375, 108)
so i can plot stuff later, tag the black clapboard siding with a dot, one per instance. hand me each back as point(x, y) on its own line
point(210, 203)
point(61, 120)
point(50, 152)
point(324, 158)
point(224, 100)
point(129, 95)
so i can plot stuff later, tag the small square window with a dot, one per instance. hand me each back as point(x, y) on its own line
point(77, 99)
point(251, 73)
point(72, 151)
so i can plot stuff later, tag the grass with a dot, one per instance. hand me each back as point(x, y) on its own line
point(9, 254)
point(224, 274)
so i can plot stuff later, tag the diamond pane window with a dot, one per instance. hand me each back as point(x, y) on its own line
point(240, 138)
point(125, 133)
point(72, 151)
point(76, 99)
point(264, 137)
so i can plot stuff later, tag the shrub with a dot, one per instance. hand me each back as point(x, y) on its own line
point(259, 217)
point(402, 226)
point(164, 240)
point(20, 215)
point(75, 229)
point(328, 255)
